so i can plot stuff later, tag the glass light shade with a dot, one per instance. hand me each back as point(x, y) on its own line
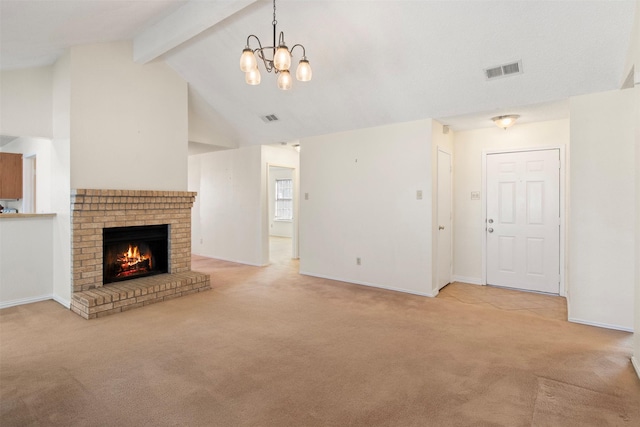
point(252, 76)
point(303, 72)
point(282, 58)
point(505, 121)
point(284, 81)
point(247, 60)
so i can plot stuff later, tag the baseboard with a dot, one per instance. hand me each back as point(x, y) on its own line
point(600, 325)
point(469, 280)
point(636, 365)
point(62, 301)
point(231, 260)
point(372, 285)
point(22, 301)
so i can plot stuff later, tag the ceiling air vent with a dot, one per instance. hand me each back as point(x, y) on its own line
point(493, 72)
point(503, 70)
point(270, 118)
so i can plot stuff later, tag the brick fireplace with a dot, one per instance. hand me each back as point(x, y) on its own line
point(92, 211)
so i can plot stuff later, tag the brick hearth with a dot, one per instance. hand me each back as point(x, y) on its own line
point(92, 211)
point(123, 296)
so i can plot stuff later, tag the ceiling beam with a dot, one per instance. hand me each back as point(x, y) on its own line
point(185, 23)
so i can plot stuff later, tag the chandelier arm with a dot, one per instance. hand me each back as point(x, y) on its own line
point(304, 53)
point(255, 37)
point(268, 63)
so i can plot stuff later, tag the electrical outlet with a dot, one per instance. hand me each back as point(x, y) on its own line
point(475, 195)
point(419, 195)
point(358, 262)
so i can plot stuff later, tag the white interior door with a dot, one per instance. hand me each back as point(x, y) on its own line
point(444, 219)
point(523, 220)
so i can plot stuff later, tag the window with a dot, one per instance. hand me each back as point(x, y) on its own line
point(284, 200)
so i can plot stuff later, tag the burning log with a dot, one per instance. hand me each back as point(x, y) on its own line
point(132, 262)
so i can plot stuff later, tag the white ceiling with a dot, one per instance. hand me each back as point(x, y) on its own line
point(36, 32)
point(374, 62)
point(6, 139)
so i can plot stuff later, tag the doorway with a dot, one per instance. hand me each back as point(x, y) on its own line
point(523, 219)
point(444, 265)
point(281, 213)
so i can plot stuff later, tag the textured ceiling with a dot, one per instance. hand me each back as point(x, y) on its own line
point(374, 62)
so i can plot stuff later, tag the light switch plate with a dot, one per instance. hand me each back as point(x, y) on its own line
point(419, 195)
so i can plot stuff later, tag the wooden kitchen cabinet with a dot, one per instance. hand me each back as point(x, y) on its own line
point(10, 176)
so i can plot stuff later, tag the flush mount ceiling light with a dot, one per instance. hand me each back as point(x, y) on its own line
point(505, 121)
point(275, 58)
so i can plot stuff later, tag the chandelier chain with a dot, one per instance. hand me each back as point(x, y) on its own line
point(274, 13)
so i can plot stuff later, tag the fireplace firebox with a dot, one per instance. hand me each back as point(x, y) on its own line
point(133, 252)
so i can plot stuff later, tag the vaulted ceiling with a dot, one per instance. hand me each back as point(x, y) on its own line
point(374, 62)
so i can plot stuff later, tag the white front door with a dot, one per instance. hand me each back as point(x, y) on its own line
point(444, 219)
point(523, 220)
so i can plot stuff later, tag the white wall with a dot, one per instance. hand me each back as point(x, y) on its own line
point(467, 177)
point(49, 239)
point(602, 216)
point(633, 60)
point(227, 219)
point(26, 102)
point(41, 148)
point(277, 228)
point(361, 188)
point(26, 251)
point(206, 126)
point(129, 122)
point(60, 180)
point(636, 347)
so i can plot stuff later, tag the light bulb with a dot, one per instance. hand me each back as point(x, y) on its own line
point(282, 58)
point(247, 60)
point(284, 81)
point(303, 72)
point(252, 77)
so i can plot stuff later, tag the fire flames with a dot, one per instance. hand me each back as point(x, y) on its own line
point(132, 261)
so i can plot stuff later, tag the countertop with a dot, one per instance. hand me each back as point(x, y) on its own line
point(27, 215)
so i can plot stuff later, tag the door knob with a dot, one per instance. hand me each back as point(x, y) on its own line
point(441, 227)
point(490, 221)
point(490, 230)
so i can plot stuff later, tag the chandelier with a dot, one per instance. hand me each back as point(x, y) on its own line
point(275, 58)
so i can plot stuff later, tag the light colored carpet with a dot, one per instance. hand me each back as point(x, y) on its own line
point(268, 347)
point(561, 404)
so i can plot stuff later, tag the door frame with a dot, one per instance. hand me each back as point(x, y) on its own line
point(436, 288)
point(563, 202)
point(295, 239)
point(29, 183)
